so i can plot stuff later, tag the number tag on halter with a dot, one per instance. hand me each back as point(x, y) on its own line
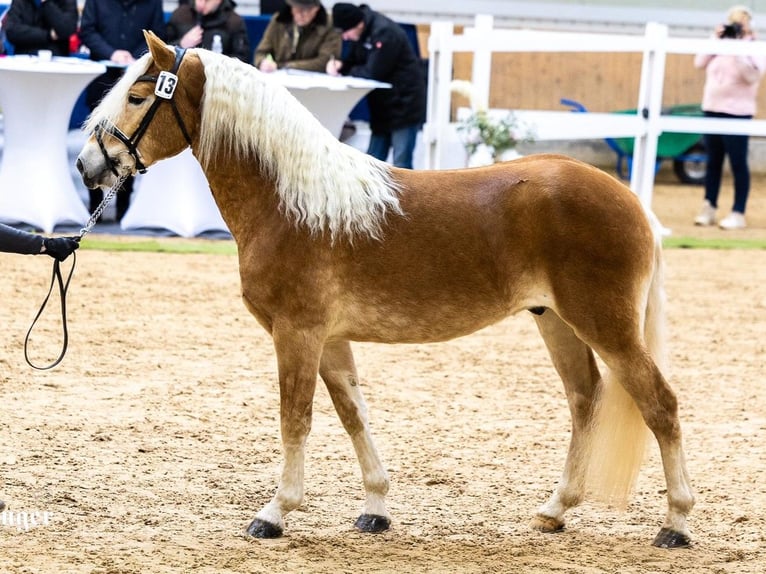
point(166, 85)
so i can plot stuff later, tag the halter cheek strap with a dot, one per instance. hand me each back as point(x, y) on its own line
point(165, 85)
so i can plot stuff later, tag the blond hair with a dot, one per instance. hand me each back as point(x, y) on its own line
point(739, 15)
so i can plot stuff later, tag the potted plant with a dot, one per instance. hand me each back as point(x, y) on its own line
point(491, 136)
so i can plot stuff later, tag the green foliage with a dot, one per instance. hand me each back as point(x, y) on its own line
point(497, 134)
point(212, 246)
point(717, 243)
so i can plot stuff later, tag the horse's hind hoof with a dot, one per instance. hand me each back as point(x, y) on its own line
point(668, 538)
point(261, 529)
point(372, 523)
point(546, 524)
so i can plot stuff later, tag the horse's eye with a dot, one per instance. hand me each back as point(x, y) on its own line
point(135, 100)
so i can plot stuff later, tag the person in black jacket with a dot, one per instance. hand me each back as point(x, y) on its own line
point(33, 25)
point(113, 31)
point(195, 25)
point(14, 240)
point(380, 50)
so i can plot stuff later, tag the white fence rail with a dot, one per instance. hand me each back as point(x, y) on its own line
point(645, 126)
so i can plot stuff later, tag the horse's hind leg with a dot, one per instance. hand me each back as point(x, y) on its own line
point(338, 371)
point(642, 379)
point(575, 364)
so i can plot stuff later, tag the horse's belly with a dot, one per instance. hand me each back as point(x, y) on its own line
point(425, 323)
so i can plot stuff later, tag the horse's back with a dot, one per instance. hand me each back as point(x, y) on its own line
point(534, 197)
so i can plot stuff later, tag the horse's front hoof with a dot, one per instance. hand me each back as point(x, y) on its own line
point(546, 524)
point(261, 529)
point(372, 523)
point(668, 538)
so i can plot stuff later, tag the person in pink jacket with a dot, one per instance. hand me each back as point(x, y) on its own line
point(731, 88)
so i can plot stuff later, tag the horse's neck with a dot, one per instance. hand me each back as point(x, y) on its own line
point(245, 196)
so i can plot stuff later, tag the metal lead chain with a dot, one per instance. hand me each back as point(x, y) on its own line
point(108, 196)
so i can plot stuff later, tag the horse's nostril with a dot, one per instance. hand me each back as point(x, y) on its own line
point(79, 165)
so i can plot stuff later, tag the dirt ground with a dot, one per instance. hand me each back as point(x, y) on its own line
point(154, 443)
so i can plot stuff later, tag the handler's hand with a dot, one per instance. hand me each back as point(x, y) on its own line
point(60, 247)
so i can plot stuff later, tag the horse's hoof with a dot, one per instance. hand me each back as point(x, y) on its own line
point(261, 529)
point(668, 538)
point(546, 524)
point(372, 523)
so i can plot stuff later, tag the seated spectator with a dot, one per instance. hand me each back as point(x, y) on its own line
point(298, 36)
point(33, 25)
point(195, 24)
point(271, 6)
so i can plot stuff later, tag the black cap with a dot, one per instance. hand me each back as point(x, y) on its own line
point(346, 16)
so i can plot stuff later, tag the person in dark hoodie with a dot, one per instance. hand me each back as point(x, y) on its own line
point(298, 36)
point(195, 25)
point(33, 25)
point(380, 50)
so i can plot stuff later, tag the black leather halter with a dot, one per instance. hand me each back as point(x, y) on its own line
point(164, 89)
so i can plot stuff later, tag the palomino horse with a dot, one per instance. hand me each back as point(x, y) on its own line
point(335, 246)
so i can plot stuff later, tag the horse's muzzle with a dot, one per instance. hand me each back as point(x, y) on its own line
point(87, 179)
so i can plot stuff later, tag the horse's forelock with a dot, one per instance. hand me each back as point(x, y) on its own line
point(114, 101)
point(322, 183)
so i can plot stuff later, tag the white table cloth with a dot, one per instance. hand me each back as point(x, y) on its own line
point(174, 194)
point(37, 98)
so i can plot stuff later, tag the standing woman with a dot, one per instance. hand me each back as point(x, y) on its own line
point(33, 25)
point(731, 88)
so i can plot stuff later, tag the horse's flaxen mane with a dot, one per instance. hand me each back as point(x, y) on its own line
point(321, 182)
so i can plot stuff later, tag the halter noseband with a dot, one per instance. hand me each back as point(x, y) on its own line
point(164, 89)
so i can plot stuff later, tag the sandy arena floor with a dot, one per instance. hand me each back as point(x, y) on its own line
point(154, 443)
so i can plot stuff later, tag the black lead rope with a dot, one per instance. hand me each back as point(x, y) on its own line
point(164, 90)
point(56, 277)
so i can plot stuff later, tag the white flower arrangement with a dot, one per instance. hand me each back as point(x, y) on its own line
point(481, 128)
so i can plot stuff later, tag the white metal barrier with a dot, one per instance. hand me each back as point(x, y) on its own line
point(645, 126)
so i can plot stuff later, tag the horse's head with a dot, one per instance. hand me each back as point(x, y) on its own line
point(152, 113)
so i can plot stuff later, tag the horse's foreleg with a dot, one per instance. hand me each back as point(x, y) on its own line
point(339, 374)
point(298, 359)
point(577, 368)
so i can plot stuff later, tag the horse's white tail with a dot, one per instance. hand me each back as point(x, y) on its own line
point(618, 437)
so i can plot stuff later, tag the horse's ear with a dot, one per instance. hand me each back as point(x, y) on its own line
point(162, 54)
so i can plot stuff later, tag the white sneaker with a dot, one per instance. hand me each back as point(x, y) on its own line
point(706, 216)
point(735, 220)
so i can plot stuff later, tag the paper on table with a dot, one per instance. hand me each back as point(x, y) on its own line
point(304, 80)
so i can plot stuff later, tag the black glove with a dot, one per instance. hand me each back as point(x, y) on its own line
point(60, 247)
